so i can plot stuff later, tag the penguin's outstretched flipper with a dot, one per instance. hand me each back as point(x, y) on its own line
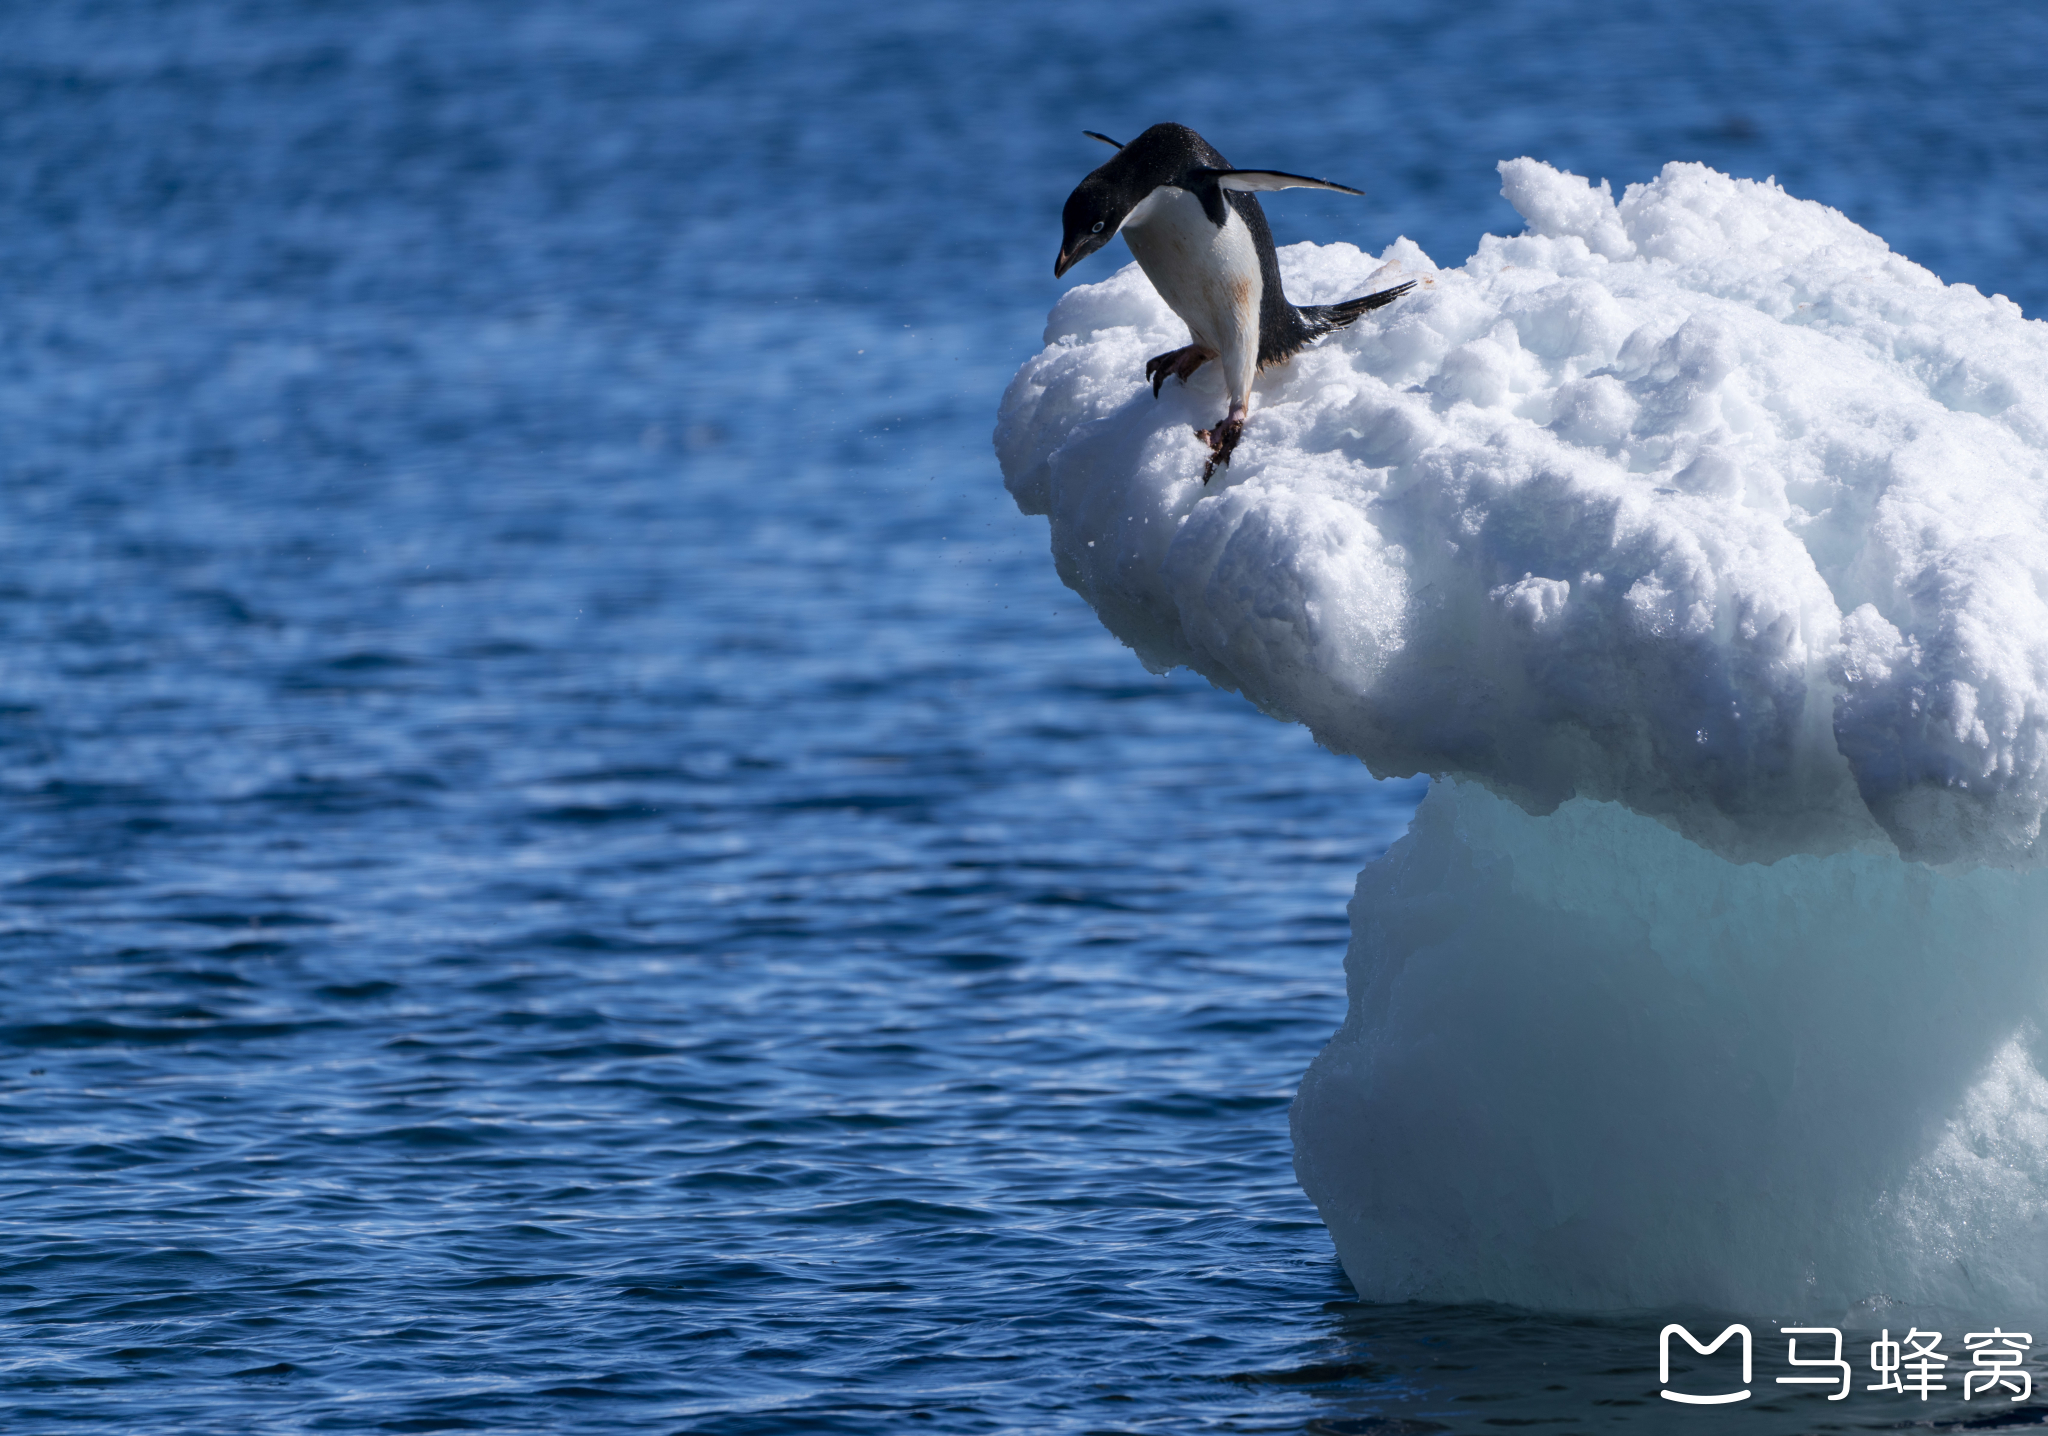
point(1176, 365)
point(1323, 318)
point(1113, 144)
point(1253, 181)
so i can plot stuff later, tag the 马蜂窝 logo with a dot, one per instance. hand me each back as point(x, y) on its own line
point(1914, 1365)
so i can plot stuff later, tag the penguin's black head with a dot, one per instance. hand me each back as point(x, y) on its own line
point(1095, 211)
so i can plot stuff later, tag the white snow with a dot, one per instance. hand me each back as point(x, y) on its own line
point(1704, 502)
point(1702, 542)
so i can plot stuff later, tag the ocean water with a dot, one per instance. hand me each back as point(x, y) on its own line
point(567, 864)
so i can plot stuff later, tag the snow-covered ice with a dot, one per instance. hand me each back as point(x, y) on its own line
point(1704, 502)
point(1704, 542)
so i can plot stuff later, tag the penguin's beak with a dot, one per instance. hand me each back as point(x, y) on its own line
point(1075, 250)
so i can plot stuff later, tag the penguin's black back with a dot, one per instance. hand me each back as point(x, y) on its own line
point(1167, 154)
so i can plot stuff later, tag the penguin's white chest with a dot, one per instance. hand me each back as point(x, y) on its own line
point(1208, 273)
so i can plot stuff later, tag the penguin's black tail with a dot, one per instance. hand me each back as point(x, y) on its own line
point(1323, 318)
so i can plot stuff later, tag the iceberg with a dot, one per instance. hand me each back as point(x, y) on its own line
point(1698, 545)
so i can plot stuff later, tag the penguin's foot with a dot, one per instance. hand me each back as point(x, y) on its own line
point(1222, 441)
point(1177, 365)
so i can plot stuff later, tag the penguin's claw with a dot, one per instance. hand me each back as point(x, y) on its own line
point(1177, 365)
point(1222, 442)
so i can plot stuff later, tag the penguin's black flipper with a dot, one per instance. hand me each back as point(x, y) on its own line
point(1323, 318)
point(1248, 181)
point(1113, 144)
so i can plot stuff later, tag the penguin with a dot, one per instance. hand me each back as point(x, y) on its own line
point(1201, 238)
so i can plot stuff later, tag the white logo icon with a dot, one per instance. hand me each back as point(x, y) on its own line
point(1664, 1364)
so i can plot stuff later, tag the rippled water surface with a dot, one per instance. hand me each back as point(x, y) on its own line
point(567, 864)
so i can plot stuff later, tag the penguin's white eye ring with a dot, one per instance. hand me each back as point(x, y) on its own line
point(1098, 227)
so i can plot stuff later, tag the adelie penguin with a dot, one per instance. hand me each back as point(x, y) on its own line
point(1190, 219)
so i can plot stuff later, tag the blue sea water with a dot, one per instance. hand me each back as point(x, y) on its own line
point(568, 866)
